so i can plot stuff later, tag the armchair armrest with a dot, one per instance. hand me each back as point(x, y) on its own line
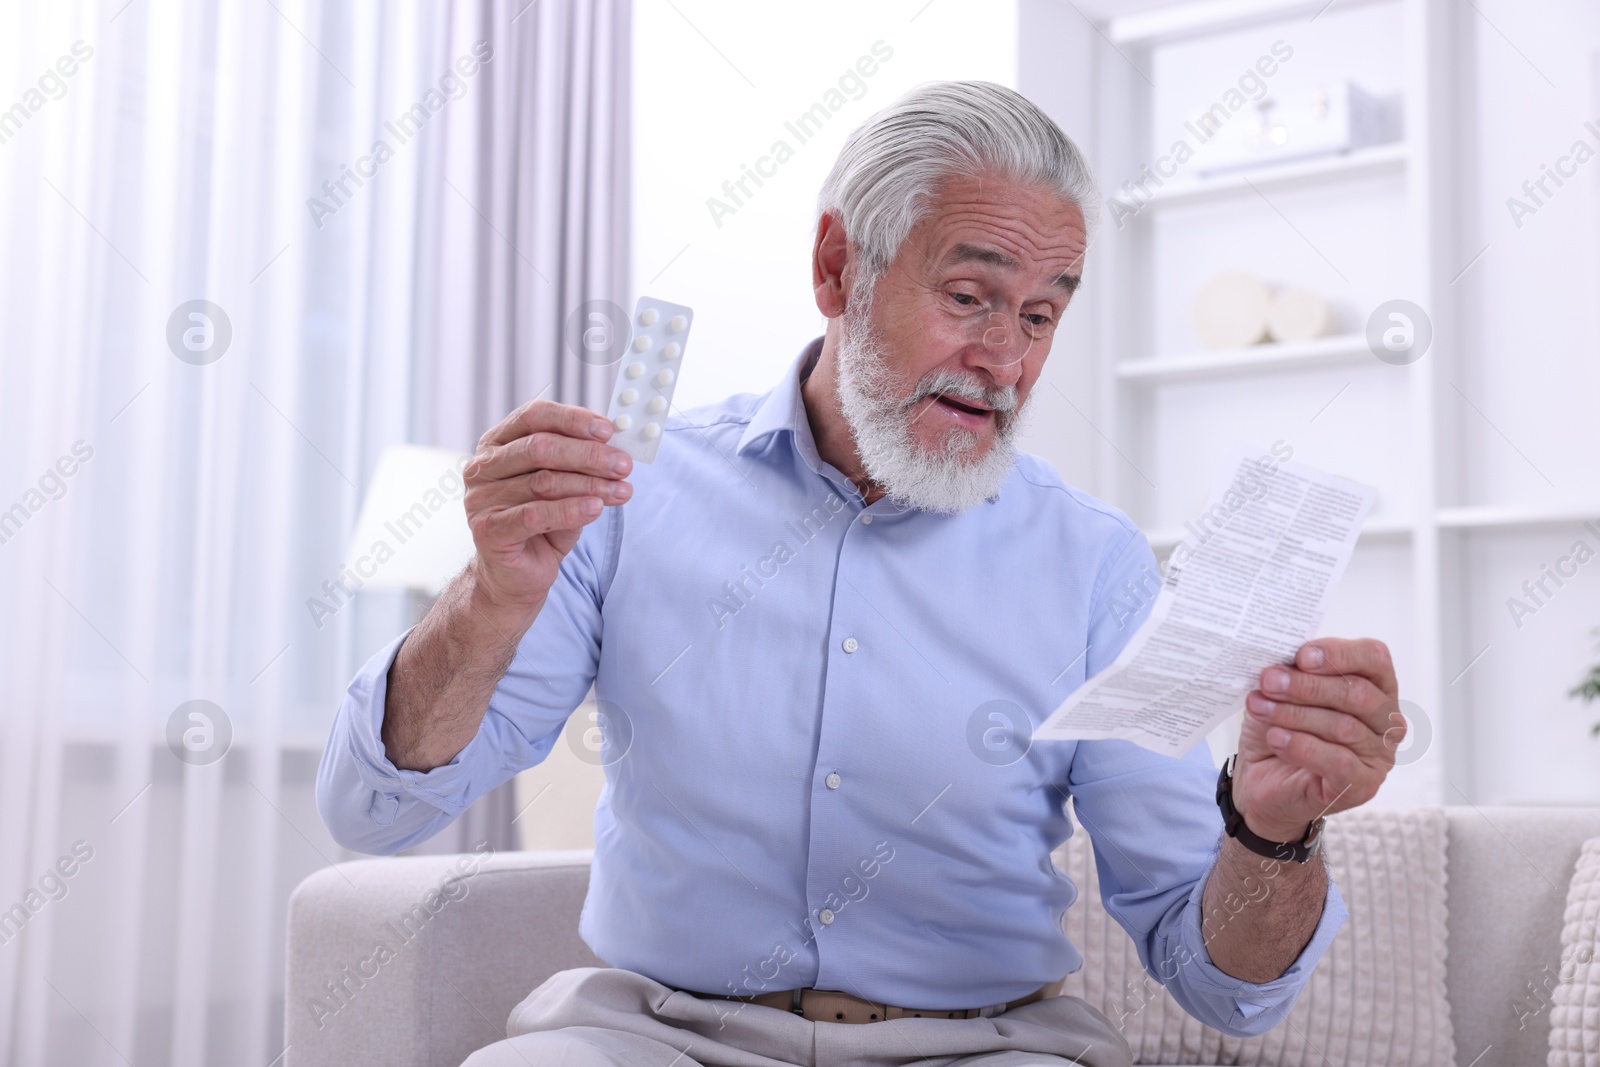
point(418, 961)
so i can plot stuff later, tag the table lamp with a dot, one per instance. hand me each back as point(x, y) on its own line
point(412, 534)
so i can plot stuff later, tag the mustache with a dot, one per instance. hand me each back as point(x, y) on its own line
point(1003, 399)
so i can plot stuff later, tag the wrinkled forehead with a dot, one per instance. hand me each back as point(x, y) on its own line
point(1003, 227)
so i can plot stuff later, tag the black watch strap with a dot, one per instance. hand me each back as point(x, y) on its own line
point(1233, 822)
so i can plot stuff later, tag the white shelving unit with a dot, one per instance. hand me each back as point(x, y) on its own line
point(1165, 539)
point(1410, 526)
point(1489, 518)
point(1346, 348)
point(1379, 159)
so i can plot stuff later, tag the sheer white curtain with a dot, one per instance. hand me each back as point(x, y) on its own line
point(174, 489)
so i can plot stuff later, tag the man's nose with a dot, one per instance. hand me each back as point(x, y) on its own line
point(1003, 348)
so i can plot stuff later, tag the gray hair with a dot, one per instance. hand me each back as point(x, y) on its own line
point(893, 163)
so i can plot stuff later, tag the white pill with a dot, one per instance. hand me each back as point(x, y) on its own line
point(664, 378)
point(628, 396)
point(658, 405)
point(671, 350)
point(651, 430)
point(678, 324)
point(622, 422)
point(634, 369)
point(641, 343)
point(648, 317)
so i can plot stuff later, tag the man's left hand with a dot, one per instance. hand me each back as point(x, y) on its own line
point(1319, 737)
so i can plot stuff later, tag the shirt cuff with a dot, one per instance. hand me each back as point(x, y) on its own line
point(446, 787)
point(1251, 1000)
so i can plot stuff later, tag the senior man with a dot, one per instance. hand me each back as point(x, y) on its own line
point(820, 628)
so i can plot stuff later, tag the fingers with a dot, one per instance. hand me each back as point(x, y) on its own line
point(1351, 693)
point(545, 450)
point(1336, 655)
point(546, 485)
point(544, 470)
point(1335, 727)
point(1342, 772)
point(1395, 732)
point(546, 416)
point(508, 526)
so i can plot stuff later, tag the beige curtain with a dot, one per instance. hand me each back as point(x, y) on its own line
point(185, 485)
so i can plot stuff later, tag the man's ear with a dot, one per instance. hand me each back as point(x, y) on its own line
point(832, 268)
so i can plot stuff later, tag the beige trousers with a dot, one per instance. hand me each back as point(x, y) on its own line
point(608, 1017)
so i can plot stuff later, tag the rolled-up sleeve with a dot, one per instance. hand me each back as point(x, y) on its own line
point(370, 805)
point(1232, 1005)
point(1155, 829)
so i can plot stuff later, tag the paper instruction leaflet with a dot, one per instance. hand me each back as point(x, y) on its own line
point(1245, 589)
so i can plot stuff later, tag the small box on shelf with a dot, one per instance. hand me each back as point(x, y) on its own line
point(1295, 124)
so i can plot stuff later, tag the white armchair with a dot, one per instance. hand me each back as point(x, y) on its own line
point(417, 962)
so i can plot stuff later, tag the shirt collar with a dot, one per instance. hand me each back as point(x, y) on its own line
point(785, 409)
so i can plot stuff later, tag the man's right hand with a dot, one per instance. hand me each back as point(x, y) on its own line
point(534, 482)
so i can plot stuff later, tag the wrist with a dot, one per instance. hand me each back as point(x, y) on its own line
point(1268, 837)
point(508, 613)
point(1273, 830)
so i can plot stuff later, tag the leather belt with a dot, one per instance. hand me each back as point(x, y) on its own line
point(832, 1006)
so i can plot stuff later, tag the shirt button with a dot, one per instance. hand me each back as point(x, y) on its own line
point(826, 915)
point(832, 779)
point(850, 644)
point(866, 520)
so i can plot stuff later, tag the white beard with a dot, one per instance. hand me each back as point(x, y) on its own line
point(952, 477)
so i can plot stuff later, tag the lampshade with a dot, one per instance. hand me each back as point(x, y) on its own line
point(412, 533)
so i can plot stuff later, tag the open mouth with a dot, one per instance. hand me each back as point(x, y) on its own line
point(964, 406)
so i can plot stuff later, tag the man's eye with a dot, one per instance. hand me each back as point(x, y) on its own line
point(965, 299)
point(1039, 320)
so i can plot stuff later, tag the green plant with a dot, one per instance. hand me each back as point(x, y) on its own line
point(1589, 689)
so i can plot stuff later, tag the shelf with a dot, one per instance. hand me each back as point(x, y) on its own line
point(1343, 348)
point(1374, 530)
point(1360, 162)
point(1209, 16)
point(1512, 517)
point(1469, 518)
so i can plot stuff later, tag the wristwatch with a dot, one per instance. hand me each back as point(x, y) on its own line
point(1300, 851)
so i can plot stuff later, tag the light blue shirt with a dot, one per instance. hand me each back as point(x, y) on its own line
point(816, 722)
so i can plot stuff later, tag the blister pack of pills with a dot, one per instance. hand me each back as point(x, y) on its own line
point(642, 397)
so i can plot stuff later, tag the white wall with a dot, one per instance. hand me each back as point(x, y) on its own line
point(1532, 365)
